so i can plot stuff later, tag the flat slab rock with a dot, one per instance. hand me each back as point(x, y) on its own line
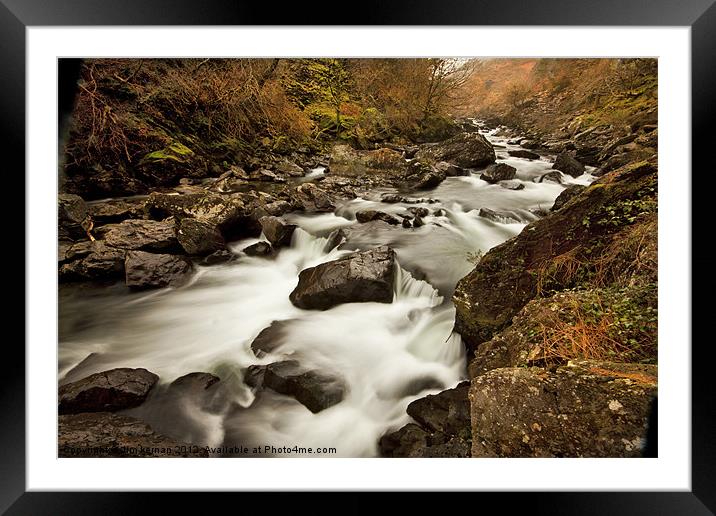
point(583, 409)
point(115, 389)
point(315, 390)
point(360, 277)
point(104, 434)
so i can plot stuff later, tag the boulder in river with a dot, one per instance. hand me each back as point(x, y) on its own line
point(365, 276)
point(269, 338)
point(369, 215)
point(147, 270)
point(218, 257)
point(144, 235)
point(521, 153)
point(498, 172)
point(199, 238)
point(583, 409)
point(465, 150)
point(566, 163)
point(429, 179)
point(567, 194)
point(194, 382)
point(512, 185)
point(112, 390)
point(276, 231)
point(266, 176)
point(259, 249)
point(551, 177)
point(313, 199)
point(315, 390)
point(105, 434)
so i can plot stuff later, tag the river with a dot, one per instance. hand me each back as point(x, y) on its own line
point(387, 354)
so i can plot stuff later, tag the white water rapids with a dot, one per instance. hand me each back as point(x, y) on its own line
point(387, 354)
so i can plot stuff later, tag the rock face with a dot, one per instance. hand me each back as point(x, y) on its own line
point(348, 162)
point(566, 163)
point(465, 150)
point(482, 306)
point(442, 429)
point(523, 154)
point(103, 434)
point(498, 172)
point(144, 235)
point(148, 270)
point(369, 215)
point(199, 238)
point(276, 231)
point(568, 194)
point(74, 221)
point(584, 409)
point(313, 389)
point(360, 277)
point(111, 390)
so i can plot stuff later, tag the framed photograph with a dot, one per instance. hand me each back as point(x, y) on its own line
point(418, 253)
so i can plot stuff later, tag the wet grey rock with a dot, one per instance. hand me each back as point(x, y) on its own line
point(277, 232)
point(551, 177)
point(566, 163)
point(194, 382)
point(313, 389)
point(497, 216)
point(369, 215)
point(451, 170)
point(112, 390)
point(498, 172)
point(365, 276)
point(313, 199)
point(259, 249)
point(442, 429)
point(512, 185)
point(218, 257)
point(147, 270)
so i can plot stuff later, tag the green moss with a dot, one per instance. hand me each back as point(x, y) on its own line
point(175, 152)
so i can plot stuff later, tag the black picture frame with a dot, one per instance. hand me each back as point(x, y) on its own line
point(700, 15)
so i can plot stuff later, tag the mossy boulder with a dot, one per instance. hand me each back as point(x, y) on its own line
point(583, 409)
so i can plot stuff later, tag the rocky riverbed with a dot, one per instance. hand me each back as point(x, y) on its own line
point(337, 301)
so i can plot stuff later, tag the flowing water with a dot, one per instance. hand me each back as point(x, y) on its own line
point(387, 354)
